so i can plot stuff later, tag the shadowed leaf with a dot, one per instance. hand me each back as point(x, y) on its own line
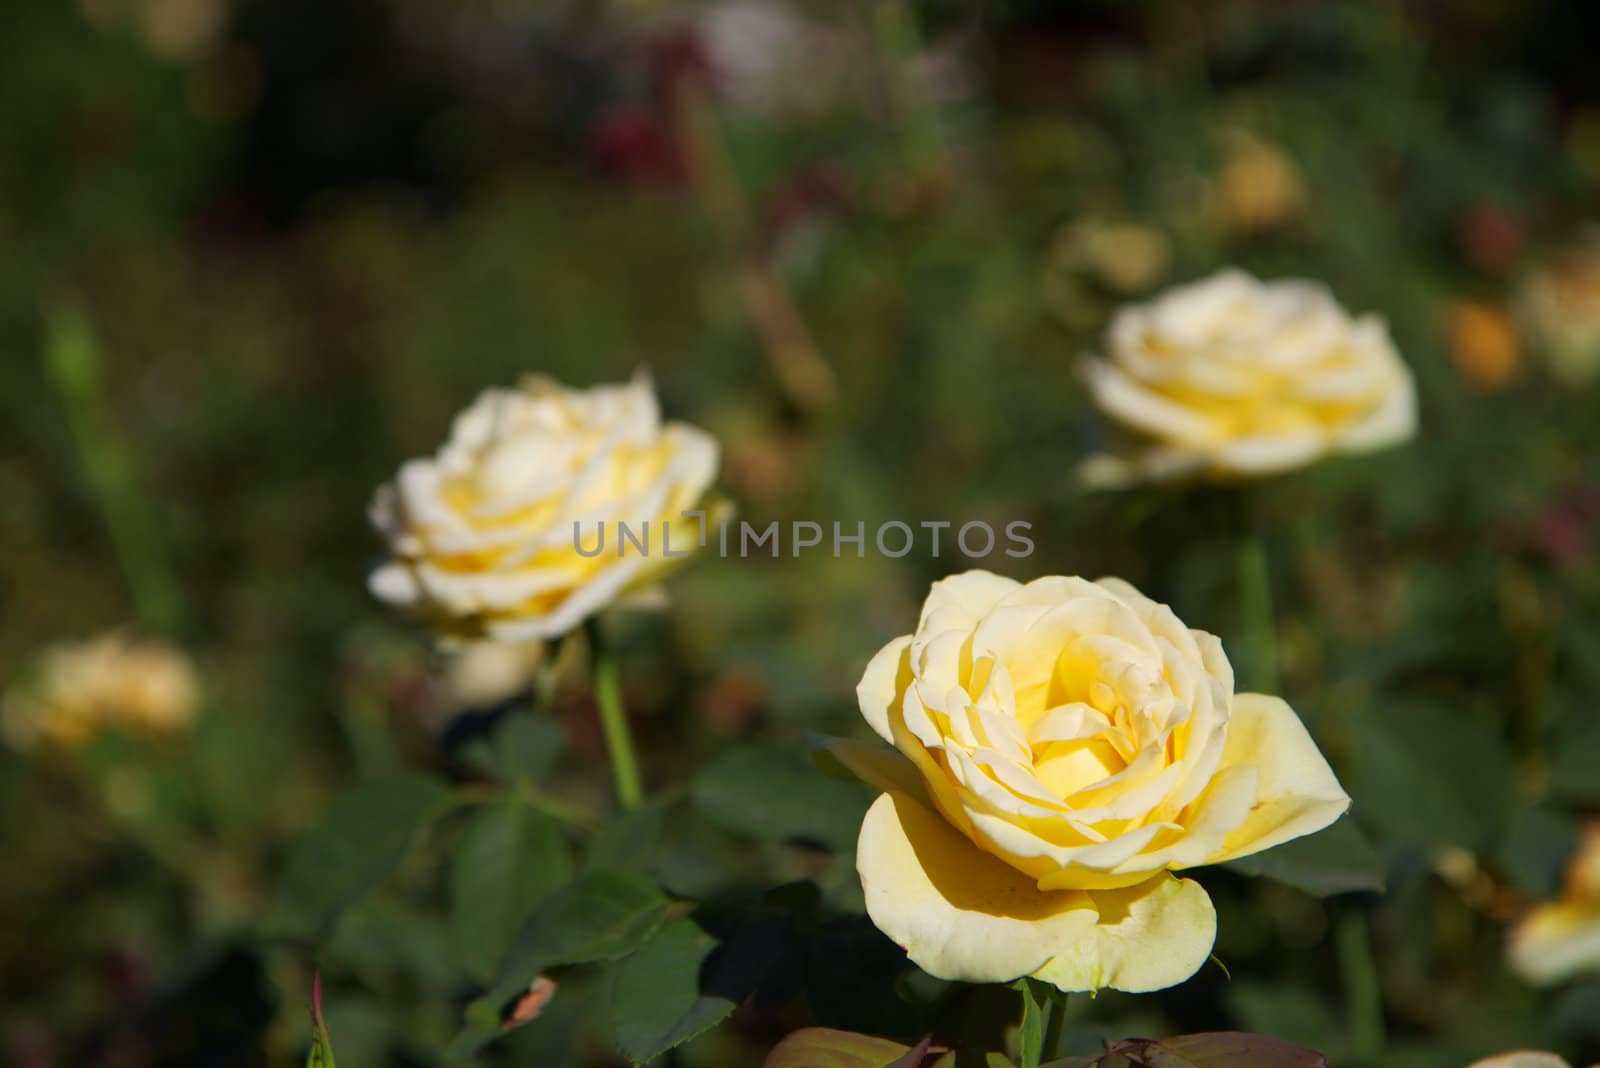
point(823, 1047)
point(363, 837)
point(1338, 860)
point(660, 999)
point(510, 859)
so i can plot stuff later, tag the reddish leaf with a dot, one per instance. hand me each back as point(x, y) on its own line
point(823, 1047)
point(1218, 1049)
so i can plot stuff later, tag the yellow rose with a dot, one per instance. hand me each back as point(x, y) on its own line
point(500, 533)
point(1260, 187)
point(1230, 377)
point(1559, 305)
point(111, 680)
point(1561, 938)
point(1483, 344)
point(1522, 1058)
point(1063, 746)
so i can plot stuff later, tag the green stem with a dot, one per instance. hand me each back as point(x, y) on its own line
point(73, 360)
point(1053, 1026)
point(614, 720)
point(1255, 608)
point(898, 42)
point(1364, 998)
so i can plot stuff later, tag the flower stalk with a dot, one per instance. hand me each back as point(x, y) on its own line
point(614, 719)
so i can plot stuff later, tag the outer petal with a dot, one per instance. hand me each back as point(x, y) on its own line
point(881, 685)
point(958, 912)
point(962, 599)
point(963, 914)
point(1297, 792)
point(1149, 937)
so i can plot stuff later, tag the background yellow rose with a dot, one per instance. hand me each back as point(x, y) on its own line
point(110, 680)
point(482, 533)
point(1231, 377)
point(1062, 747)
point(1559, 939)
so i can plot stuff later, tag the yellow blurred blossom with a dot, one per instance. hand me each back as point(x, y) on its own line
point(1124, 256)
point(1260, 187)
point(108, 681)
point(1483, 344)
point(1231, 377)
point(1561, 938)
point(177, 30)
point(1522, 1058)
point(1559, 305)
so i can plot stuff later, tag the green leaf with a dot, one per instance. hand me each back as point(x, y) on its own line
point(1433, 773)
point(659, 999)
point(1287, 1011)
point(1575, 752)
point(1537, 847)
point(363, 837)
point(775, 792)
point(600, 916)
point(1031, 1040)
point(510, 859)
point(522, 750)
point(823, 1047)
point(1336, 860)
point(631, 841)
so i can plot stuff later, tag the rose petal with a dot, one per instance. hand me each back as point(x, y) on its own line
point(1297, 793)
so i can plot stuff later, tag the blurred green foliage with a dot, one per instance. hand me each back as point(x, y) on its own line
point(300, 237)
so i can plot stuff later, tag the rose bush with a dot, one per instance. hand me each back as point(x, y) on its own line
point(1061, 747)
point(484, 535)
point(1230, 377)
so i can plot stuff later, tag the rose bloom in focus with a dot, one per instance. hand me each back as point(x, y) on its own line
point(1060, 748)
point(83, 688)
point(482, 534)
point(1230, 377)
point(1560, 939)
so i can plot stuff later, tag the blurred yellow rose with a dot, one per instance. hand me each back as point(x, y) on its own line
point(1260, 187)
point(1483, 344)
point(1559, 305)
point(1230, 377)
point(111, 680)
point(486, 534)
point(1522, 1058)
point(1561, 938)
point(1062, 747)
point(1124, 256)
